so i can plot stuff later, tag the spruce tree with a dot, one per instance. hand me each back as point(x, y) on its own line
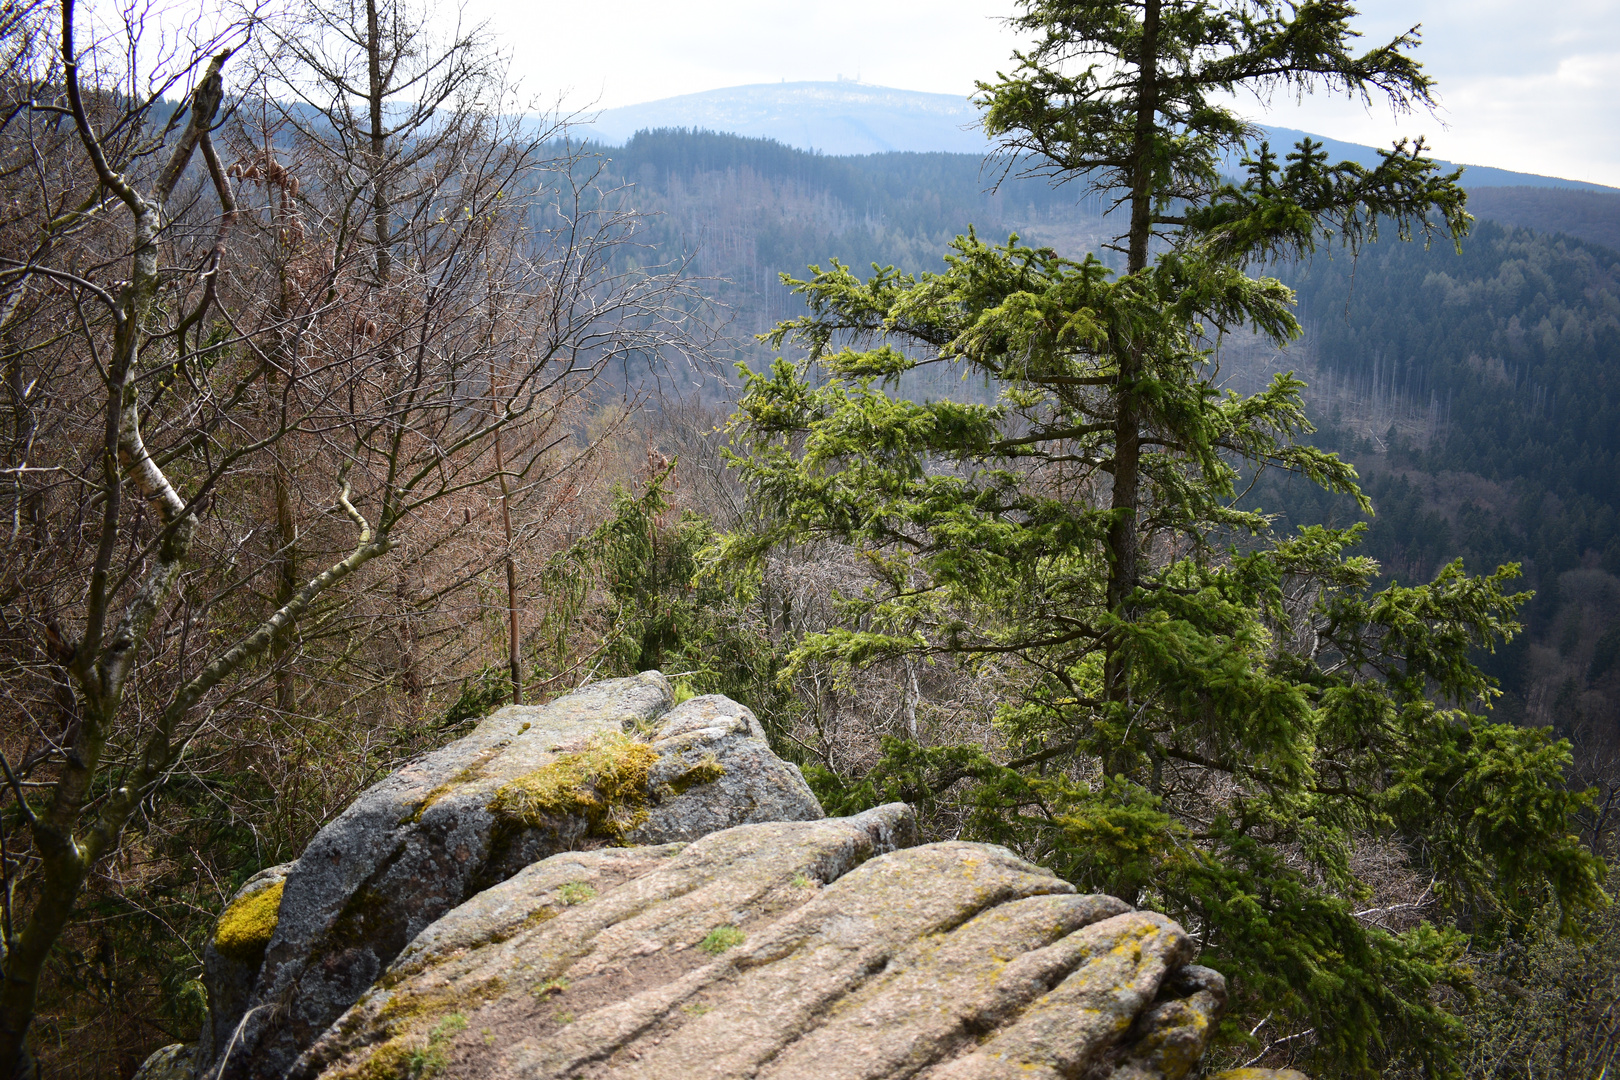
point(1212, 719)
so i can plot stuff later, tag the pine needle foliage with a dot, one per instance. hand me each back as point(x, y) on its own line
point(1213, 719)
point(630, 596)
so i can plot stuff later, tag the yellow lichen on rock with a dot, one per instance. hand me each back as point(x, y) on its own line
point(605, 783)
point(245, 927)
point(706, 771)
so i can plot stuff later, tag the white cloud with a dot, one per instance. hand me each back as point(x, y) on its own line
point(1522, 86)
point(640, 50)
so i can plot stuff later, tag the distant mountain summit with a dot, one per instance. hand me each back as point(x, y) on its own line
point(835, 118)
point(847, 117)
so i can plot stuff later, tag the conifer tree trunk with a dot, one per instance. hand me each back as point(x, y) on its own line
point(1123, 539)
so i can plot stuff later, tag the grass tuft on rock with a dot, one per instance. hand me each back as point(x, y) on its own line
point(246, 925)
point(576, 892)
point(720, 939)
point(605, 783)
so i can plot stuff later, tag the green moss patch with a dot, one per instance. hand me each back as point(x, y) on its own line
point(246, 925)
point(706, 771)
point(605, 783)
point(720, 939)
point(388, 1061)
point(475, 771)
point(407, 1006)
point(404, 1058)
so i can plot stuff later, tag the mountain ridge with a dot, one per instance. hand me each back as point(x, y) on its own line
point(848, 118)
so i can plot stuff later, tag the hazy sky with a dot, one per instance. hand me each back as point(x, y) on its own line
point(1531, 87)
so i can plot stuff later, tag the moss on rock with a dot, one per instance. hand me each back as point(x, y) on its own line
point(605, 783)
point(246, 925)
point(706, 771)
point(473, 772)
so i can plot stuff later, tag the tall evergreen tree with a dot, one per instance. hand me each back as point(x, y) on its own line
point(1214, 719)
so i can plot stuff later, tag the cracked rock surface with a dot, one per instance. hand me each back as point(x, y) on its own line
point(822, 950)
point(432, 836)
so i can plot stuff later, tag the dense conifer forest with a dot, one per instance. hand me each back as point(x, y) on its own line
point(1505, 358)
point(1476, 391)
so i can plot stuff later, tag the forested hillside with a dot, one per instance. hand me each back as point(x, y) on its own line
point(1586, 215)
point(1476, 391)
point(1507, 360)
point(746, 211)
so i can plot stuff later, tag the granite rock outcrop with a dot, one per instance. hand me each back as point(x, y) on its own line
point(613, 763)
point(824, 950)
point(612, 885)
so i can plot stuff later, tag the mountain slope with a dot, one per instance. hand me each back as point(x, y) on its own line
point(1476, 392)
point(834, 118)
point(1589, 215)
point(846, 117)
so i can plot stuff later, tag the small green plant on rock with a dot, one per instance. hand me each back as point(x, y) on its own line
point(431, 1059)
point(720, 939)
point(550, 986)
point(577, 892)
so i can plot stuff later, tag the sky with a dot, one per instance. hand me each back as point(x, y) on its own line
point(1528, 87)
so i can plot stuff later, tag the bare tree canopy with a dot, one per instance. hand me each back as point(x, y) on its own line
point(252, 344)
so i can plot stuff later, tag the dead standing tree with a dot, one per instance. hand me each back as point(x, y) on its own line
point(391, 124)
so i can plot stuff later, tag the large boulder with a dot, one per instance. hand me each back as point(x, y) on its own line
point(173, 1062)
point(609, 764)
point(822, 950)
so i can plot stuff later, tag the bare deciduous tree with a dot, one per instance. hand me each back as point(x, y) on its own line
point(251, 347)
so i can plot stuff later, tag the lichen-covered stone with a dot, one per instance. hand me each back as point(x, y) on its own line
point(1260, 1074)
point(850, 955)
point(1169, 1037)
point(172, 1062)
point(609, 763)
point(245, 926)
point(715, 770)
point(233, 953)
